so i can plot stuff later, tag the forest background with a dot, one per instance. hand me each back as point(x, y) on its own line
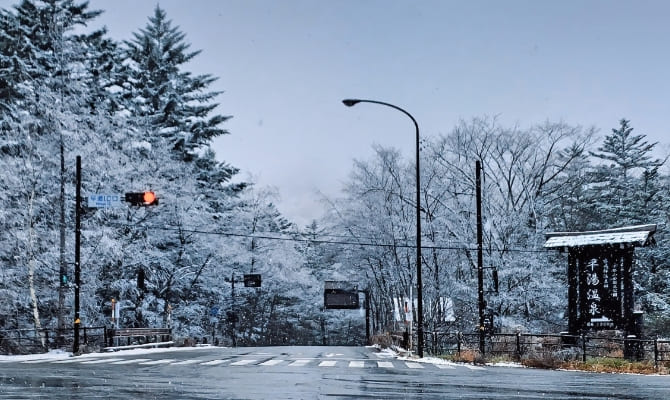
point(140, 120)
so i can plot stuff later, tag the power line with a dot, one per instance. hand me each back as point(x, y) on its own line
point(324, 241)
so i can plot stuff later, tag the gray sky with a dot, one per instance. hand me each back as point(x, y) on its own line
point(286, 65)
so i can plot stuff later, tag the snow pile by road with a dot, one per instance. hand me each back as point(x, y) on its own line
point(61, 355)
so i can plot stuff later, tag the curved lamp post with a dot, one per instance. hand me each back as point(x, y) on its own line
point(353, 102)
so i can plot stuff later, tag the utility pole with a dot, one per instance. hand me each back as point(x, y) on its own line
point(366, 292)
point(77, 257)
point(480, 258)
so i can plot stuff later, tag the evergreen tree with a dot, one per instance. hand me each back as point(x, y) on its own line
point(618, 184)
point(176, 103)
point(174, 125)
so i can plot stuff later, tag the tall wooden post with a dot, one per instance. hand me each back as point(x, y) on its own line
point(628, 304)
point(573, 322)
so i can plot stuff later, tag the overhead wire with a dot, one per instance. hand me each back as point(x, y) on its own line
point(303, 239)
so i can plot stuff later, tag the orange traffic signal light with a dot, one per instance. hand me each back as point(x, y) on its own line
point(149, 198)
point(142, 198)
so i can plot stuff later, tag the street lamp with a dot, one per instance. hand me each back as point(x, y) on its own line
point(353, 102)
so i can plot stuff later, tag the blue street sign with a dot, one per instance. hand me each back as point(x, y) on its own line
point(104, 200)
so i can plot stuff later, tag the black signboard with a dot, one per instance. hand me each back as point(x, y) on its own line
point(340, 296)
point(252, 280)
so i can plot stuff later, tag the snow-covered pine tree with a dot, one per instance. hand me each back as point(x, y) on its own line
point(631, 191)
point(176, 103)
point(174, 124)
point(625, 157)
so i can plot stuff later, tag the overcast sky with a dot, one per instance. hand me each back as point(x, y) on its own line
point(286, 65)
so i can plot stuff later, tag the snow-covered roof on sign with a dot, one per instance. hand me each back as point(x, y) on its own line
point(640, 235)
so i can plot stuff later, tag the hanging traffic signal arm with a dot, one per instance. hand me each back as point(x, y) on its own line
point(143, 199)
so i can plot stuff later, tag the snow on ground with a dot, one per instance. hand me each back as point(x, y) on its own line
point(60, 354)
point(506, 364)
point(400, 355)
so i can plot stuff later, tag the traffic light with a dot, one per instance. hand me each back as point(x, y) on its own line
point(142, 198)
point(140, 279)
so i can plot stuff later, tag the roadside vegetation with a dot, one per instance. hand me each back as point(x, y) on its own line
point(549, 361)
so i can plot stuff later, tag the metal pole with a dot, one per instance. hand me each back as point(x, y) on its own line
point(77, 256)
point(352, 102)
point(480, 258)
point(367, 316)
point(233, 317)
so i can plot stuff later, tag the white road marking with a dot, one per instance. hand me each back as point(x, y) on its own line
point(385, 364)
point(131, 361)
point(214, 362)
point(356, 364)
point(72, 360)
point(299, 363)
point(271, 362)
point(413, 365)
point(41, 360)
point(244, 362)
point(157, 362)
point(102, 361)
point(328, 363)
point(186, 362)
point(445, 366)
point(473, 367)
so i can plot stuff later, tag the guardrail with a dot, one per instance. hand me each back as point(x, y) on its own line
point(26, 341)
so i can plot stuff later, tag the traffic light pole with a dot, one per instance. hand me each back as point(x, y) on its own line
point(77, 257)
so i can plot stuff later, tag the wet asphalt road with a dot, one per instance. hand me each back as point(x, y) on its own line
point(302, 373)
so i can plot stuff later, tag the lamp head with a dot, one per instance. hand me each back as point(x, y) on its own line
point(350, 102)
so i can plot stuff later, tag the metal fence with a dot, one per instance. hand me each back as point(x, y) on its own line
point(27, 341)
point(557, 346)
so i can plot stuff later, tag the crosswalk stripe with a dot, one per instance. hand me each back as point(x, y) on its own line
point(214, 362)
point(241, 362)
point(244, 362)
point(186, 362)
point(102, 361)
point(271, 362)
point(131, 361)
point(299, 363)
point(156, 362)
point(329, 363)
point(72, 360)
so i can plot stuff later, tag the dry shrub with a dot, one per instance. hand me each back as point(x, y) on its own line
point(542, 360)
point(385, 341)
point(615, 353)
point(613, 365)
point(469, 356)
